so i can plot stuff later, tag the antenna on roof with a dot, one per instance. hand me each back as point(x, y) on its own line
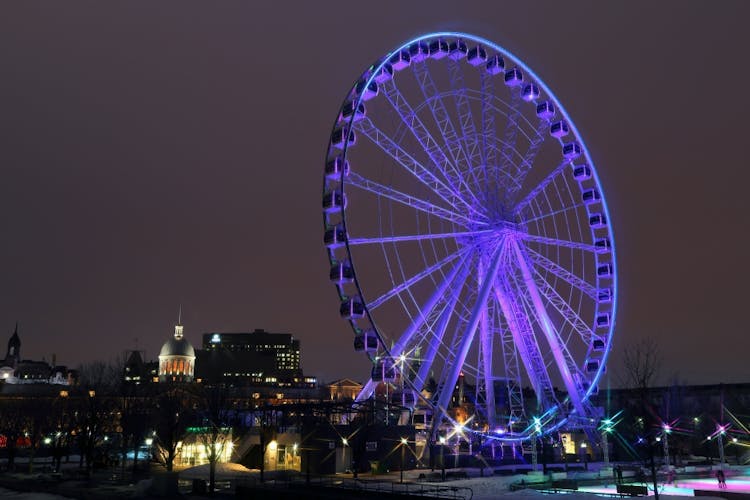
point(179, 316)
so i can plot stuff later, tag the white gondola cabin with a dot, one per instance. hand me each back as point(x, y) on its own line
point(352, 309)
point(530, 93)
point(384, 370)
point(476, 56)
point(336, 167)
point(559, 129)
point(439, 49)
point(457, 50)
point(602, 320)
point(545, 110)
point(350, 112)
point(602, 245)
point(598, 345)
point(384, 74)
point(513, 77)
point(400, 60)
point(419, 51)
point(495, 65)
point(334, 237)
point(581, 172)
point(366, 341)
point(597, 221)
point(340, 136)
point(333, 202)
point(340, 273)
point(591, 196)
point(365, 91)
point(605, 295)
point(572, 150)
point(604, 271)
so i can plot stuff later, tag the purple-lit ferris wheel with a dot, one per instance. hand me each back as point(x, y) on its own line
point(469, 239)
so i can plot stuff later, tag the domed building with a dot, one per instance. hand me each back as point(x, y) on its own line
point(177, 359)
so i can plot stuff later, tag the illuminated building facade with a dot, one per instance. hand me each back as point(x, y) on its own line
point(256, 358)
point(15, 370)
point(177, 359)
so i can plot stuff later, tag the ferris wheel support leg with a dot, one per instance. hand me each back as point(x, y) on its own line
point(487, 281)
point(486, 352)
point(442, 325)
point(522, 335)
point(549, 331)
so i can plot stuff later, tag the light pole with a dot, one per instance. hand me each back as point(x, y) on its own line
point(403, 451)
point(606, 427)
point(667, 429)
point(584, 451)
point(345, 443)
point(720, 438)
point(442, 457)
point(537, 432)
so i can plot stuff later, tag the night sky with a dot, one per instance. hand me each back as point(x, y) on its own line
point(154, 154)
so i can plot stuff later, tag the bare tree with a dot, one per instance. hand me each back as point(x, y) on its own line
point(172, 416)
point(641, 364)
point(105, 377)
point(215, 435)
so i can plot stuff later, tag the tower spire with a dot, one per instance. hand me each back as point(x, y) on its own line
point(178, 327)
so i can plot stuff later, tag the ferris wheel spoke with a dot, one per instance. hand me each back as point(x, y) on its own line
point(509, 139)
point(528, 159)
point(468, 146)
point(554, 213)
point(425, 316)
point(489, 129)
point(428, 143)
point(356, 180)
point(562, 358)
point(539, 188)
point(556, 242)
point(371, 306)
point(434, 100)
point(421, 173)
point(426, 311)
point(561, 306)
point(562, 273)
point(418, 237)
point(471, 327)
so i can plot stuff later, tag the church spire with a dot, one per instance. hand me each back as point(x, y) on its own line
point(14, 346)
point(178, 327)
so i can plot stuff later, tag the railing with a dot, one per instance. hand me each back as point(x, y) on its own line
point(363, 485)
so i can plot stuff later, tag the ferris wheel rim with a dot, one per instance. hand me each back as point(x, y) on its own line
point(373, 70)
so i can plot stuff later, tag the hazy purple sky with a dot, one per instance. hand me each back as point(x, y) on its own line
point(154, 154)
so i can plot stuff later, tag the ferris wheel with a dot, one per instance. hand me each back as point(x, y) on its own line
point(469, 239)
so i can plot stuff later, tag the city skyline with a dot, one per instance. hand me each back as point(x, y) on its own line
point(152, 159)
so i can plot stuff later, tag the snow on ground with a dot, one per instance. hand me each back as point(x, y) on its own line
point(16, 495)
point(224, 472)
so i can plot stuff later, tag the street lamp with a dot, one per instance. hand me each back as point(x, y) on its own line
point(720, 431)
point(584, 450)
point(442, 457)
point(666, 430)
point(403, 450)
point(606, 428)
